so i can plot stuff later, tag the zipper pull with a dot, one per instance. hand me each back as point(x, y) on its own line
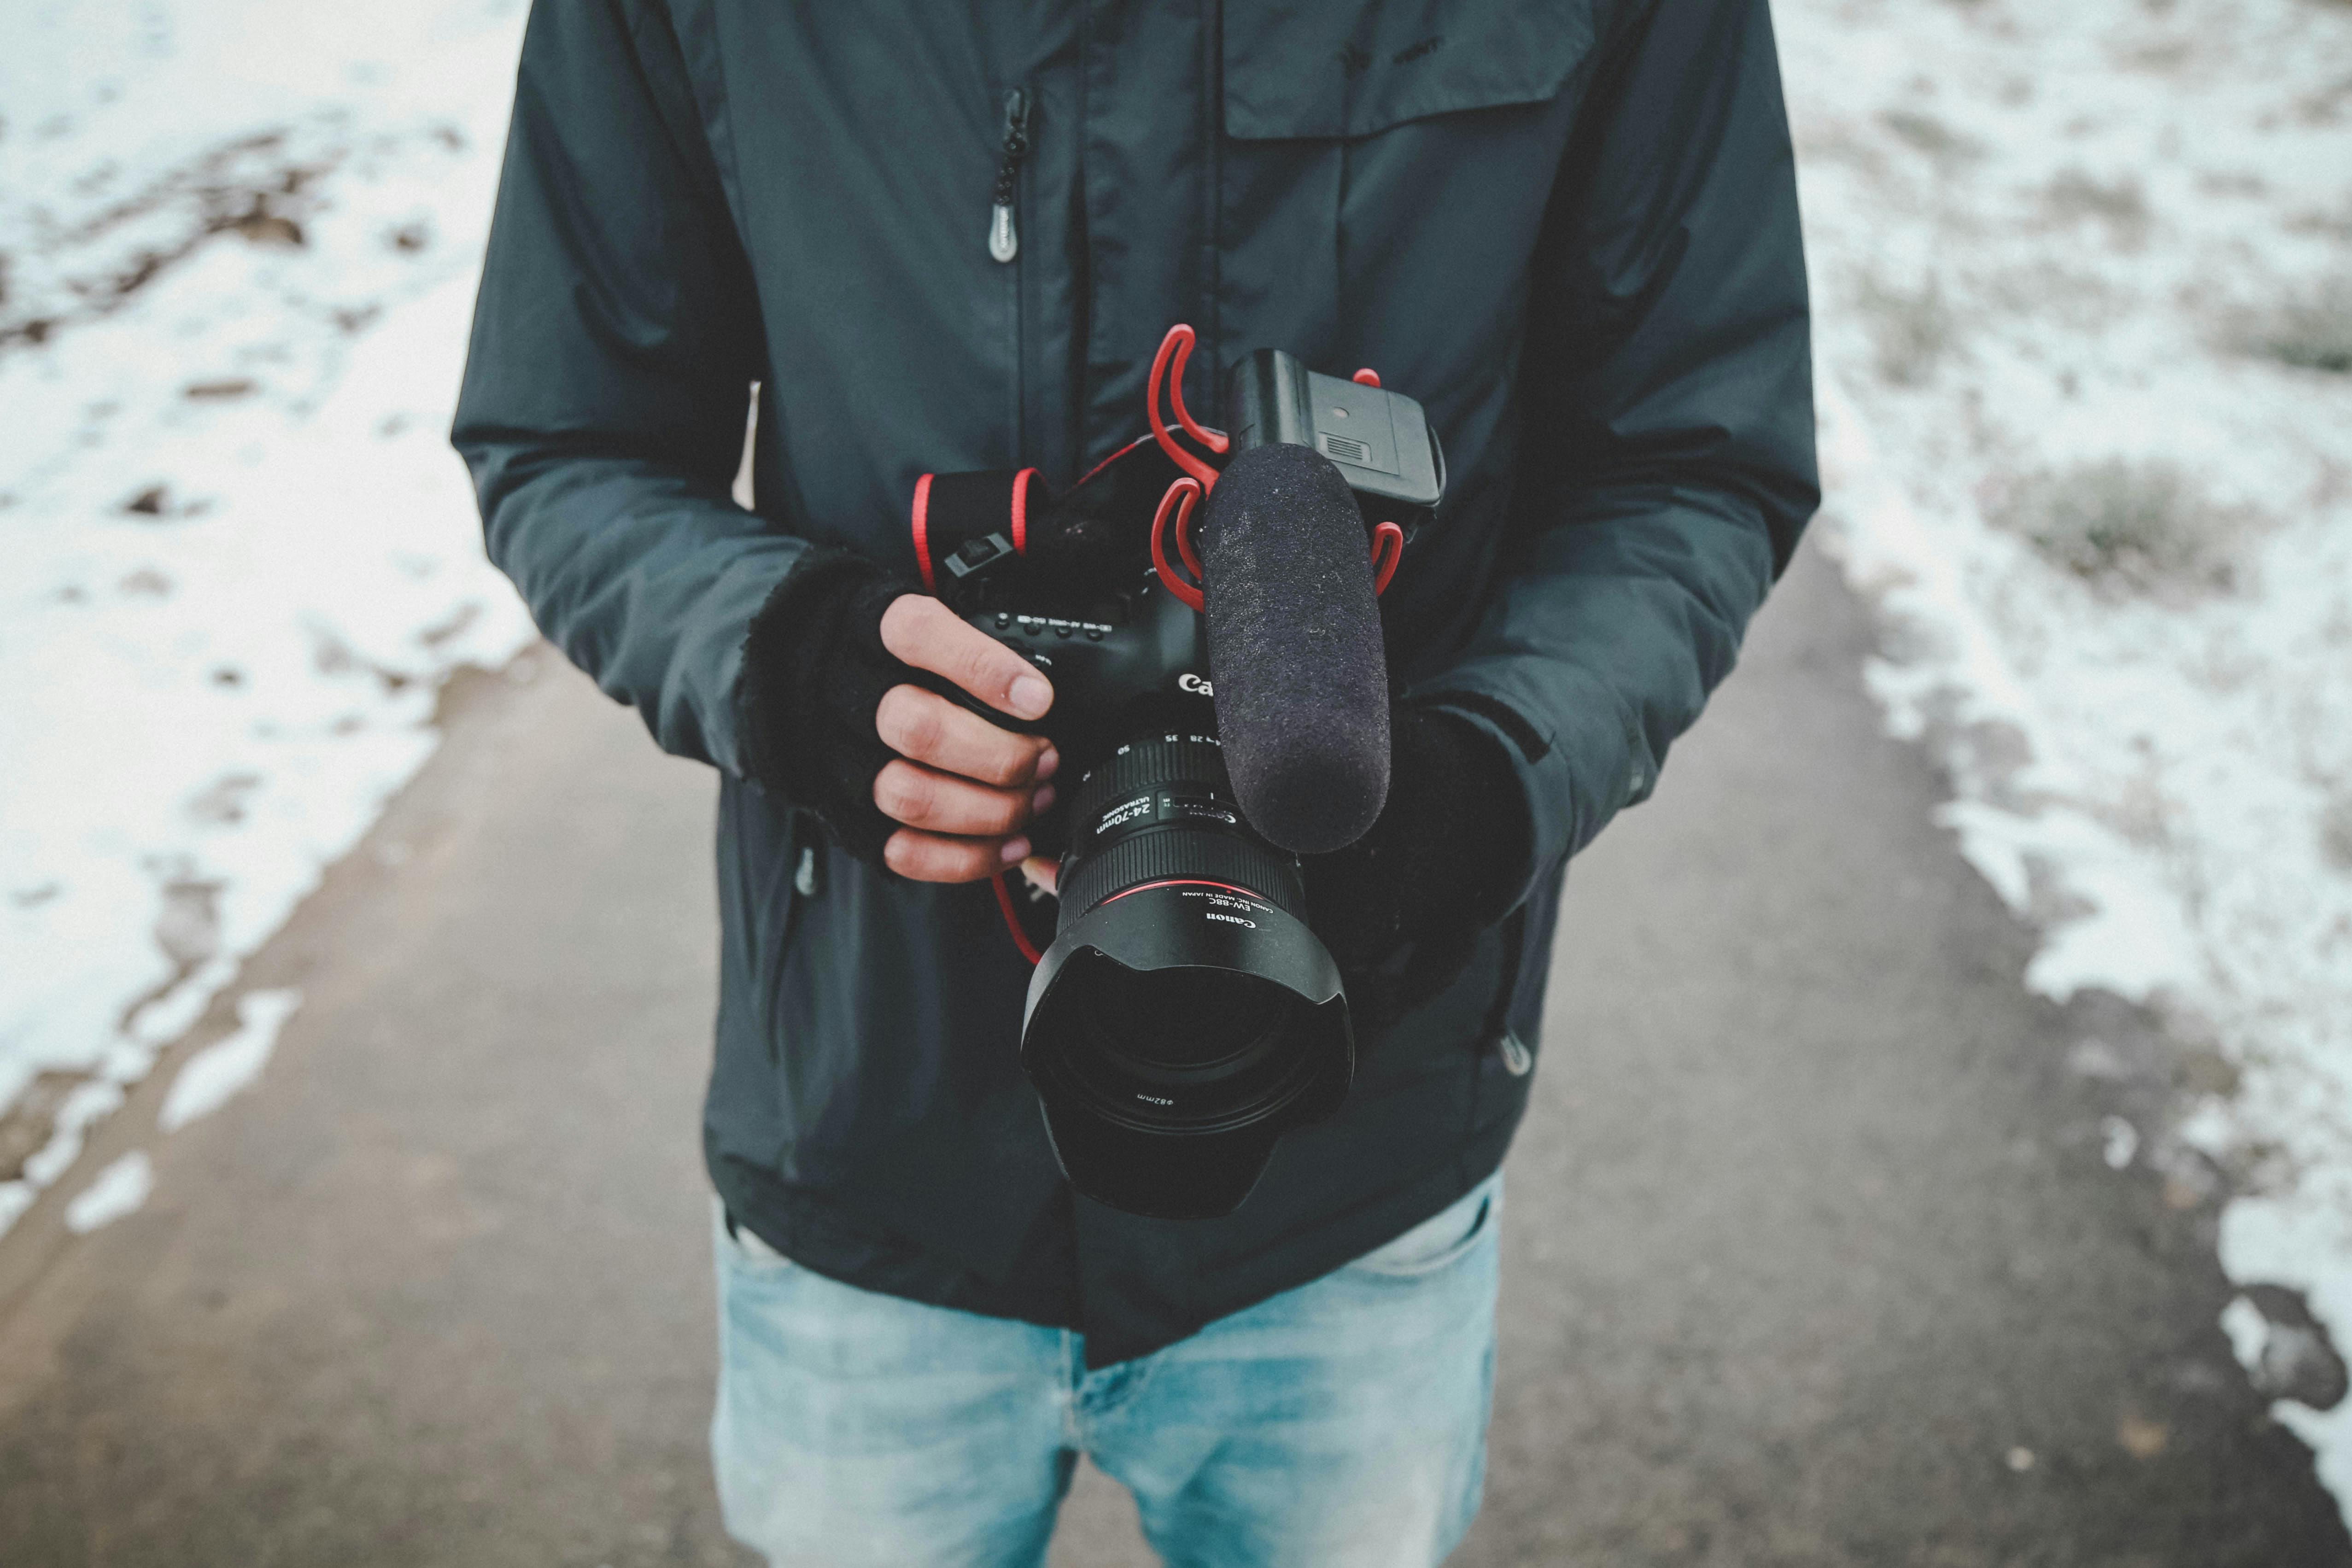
point(1004, 239)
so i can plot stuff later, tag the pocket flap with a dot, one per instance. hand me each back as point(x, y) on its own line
point(1356, 68)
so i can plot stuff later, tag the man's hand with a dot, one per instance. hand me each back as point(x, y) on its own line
point(963, 787)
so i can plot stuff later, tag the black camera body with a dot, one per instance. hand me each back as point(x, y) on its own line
point(1184, 1014)
point(1111, 652)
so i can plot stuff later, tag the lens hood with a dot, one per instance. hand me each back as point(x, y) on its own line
point(1183, 1139)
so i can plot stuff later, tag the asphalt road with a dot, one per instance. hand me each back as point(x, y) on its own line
point(1811, 1256)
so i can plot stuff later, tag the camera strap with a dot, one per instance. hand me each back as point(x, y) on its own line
point(951, 510)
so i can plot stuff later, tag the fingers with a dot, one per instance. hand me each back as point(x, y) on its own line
point(964, 788)
point(942, 803)
point(958, 831)
point(928, 728)
point(935, 858)
point(926, 634)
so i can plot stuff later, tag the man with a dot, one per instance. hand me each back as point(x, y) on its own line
point(949, 239)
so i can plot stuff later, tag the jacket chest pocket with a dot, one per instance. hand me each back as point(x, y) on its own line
point(1384, 168)
point(1357, 69)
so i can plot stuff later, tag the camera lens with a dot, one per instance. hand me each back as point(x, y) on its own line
point(1184, 1016)
point(1182, 1021)
point(1187, 1050)
point(1161, 807)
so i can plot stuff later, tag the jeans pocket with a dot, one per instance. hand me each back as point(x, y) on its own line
point(1446, 1238)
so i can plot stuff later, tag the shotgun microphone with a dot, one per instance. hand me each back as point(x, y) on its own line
point(1295, 647)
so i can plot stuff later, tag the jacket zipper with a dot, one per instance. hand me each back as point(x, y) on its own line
point(1003, 236)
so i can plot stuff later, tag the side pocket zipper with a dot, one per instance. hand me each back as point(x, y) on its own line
point(1003, 236)
point(803, 846)
point(1498, 1036)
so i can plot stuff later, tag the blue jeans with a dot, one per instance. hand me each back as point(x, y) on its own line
point(1340, 1424)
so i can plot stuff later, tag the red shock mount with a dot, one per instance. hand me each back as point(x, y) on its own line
point(1198, 479)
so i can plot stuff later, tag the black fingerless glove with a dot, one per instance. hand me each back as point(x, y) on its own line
point(1443, 860)
point(814, 671)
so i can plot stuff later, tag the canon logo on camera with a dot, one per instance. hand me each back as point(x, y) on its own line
point(1188, 682)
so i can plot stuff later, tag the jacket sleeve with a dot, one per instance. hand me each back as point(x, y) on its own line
point(1667, 390)
point(615, 341)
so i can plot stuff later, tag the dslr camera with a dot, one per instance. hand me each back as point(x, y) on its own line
point(1182, 1014)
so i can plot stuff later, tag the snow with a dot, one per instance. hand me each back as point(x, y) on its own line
point(238, 241)
point(2078, 272)
point(213, 1075)
point(119, 1189)
point(2248, 1332)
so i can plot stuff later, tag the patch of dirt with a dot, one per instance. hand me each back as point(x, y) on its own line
point(156, 504)
point(27, 1124)
point(2298, 1359)
point(256, 189)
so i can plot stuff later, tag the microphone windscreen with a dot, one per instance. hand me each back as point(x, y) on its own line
point(1296, 657)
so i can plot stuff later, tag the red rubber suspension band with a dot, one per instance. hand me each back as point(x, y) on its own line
point(1178, 346)
point(1180, 498)
point(1184, 532)
point(1387, 549)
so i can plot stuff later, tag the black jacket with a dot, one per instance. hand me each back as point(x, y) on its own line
point(1567, 227)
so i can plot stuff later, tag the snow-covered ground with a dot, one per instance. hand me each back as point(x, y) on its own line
point(2083, 278)
point(238, 241)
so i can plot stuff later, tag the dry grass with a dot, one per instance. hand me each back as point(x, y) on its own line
point(2335, 831)
point(1911, 331)
point(2313, 331)
point(2122, 205)
point(2162, 54)
point(1931, 135)
point(2145, 526)
point(2081, 299)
